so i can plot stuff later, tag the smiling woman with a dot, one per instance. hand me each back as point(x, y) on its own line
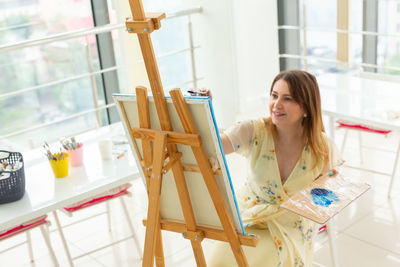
point(285, 153)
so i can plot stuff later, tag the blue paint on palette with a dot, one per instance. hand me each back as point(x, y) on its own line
point(323, 197)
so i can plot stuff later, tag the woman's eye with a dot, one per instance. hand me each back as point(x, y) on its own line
point(274, 96)
point(288, 99)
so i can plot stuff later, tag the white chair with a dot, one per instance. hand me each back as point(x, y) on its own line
point(118, 192)
point(26, 228)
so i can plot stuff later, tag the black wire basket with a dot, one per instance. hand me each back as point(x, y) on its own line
point(13, 187)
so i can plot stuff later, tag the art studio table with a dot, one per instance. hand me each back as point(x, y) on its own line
point(370, 102)
point(360, 100)
point(45, 193)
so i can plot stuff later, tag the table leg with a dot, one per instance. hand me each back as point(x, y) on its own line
point(64, 241)
point(332, 128)
point(394, 170)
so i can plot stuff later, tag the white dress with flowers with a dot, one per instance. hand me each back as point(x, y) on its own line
point(286, 239)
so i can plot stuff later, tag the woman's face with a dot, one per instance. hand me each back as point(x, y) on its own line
point(285, 112)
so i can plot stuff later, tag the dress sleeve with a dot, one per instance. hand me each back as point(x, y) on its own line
point(241, 135)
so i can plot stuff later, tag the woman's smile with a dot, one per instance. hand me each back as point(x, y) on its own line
point(278, 114)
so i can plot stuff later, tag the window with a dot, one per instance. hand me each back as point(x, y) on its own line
point(38, 69)
point(388, 22)
point(321, 44)
point(67, 80)
point(326, 48)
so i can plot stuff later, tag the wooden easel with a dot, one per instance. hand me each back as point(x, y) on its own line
point(166, 157)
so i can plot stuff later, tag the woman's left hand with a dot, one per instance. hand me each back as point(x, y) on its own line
point(332, 172)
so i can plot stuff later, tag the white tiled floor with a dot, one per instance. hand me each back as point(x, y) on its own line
point(368, 230)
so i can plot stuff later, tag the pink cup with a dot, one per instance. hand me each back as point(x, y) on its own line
point(76, 156)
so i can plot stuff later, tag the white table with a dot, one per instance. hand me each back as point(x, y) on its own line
point(44, 193)
point(363, 101)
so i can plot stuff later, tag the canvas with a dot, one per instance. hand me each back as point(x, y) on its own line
point(203, 116)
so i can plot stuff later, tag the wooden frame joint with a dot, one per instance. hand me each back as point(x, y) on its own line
point(149, 24)
point(197, 236)
point(172, 160)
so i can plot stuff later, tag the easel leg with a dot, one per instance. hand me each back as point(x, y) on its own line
point(153, 214)
point(188, 212)
point(159, 253)
point(144, 119)
point(198, 253)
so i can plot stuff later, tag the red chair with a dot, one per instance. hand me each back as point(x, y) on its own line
point(359, 128)
point(118, 192)
point(26, 228)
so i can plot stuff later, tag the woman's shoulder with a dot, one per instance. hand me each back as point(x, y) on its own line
point(262, 128)
point(260, 122)
point(263, 124)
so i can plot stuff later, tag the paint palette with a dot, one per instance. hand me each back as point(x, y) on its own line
point(325, 197)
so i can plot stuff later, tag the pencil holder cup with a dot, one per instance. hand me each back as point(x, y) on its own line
point(105, 147)
point(60, 166)
point(76, 156)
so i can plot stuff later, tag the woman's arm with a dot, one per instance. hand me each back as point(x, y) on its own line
point(237, 138)
point(226, 144)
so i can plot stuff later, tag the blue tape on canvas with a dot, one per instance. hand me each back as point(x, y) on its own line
point(226, 165)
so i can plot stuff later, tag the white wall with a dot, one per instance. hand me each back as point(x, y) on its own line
point(213, 30)
point(238, 57)
point(256, 52)
point(239, 54)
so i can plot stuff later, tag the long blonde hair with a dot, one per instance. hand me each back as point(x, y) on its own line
point(304, 89)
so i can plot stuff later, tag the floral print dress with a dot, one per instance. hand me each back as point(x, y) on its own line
point(286, 239)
